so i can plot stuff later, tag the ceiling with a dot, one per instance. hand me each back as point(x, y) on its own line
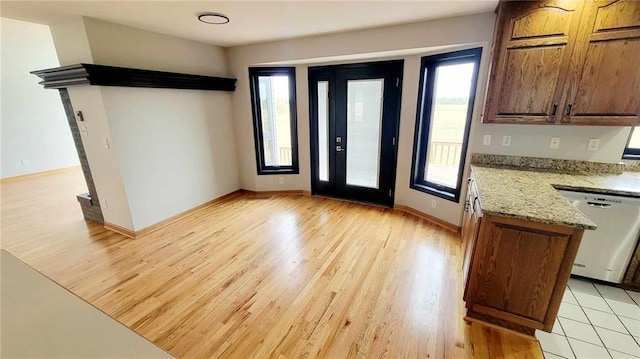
point(251, 21)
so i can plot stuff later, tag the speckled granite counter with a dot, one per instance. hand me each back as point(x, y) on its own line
point(530, 195)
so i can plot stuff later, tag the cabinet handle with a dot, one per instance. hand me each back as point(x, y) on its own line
point(569, 109)
point(554, 109)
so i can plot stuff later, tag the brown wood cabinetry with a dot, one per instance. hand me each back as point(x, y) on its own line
point(515, 271)
point(603, 85)
point(566, 62)
point(531, 54)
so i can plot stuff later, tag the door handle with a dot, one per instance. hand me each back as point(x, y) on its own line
point(339, 149)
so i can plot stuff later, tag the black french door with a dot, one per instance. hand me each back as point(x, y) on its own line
point(354, 114)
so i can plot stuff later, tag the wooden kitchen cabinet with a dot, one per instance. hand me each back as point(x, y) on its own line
point(515, 271)
point(565, 62)
point(531, 55)
point(603, 85)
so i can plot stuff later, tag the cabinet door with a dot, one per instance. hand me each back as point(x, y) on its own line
point(531, 54)
point(520, 271)
point(603, 85)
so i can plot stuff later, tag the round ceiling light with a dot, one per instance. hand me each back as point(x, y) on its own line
point(213, 18)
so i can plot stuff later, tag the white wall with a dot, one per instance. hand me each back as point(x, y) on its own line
point(34, 124)
point(125, 46)
point(170, 150)
point(105, 168)
point(174, 148)
point(533, 141)
point(72, 44)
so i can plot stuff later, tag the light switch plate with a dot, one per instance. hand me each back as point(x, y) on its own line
point(486, 140)
point(506, 140)
point(594, 143)
point(555, 143)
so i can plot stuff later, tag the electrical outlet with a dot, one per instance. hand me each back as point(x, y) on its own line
point(281, 180)
point(555, 143)
point(24, 162)
point(594, 143)
point(506, 140)
point(433, 203)
point(105, 204)
point(83, 130)
point(486, 140)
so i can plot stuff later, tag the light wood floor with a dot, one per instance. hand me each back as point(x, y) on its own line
point(280, 277)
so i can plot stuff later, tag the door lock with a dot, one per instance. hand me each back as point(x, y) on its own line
point(338, 139)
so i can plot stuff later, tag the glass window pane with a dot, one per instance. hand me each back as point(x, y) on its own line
point(323, 131)
point(452, 88)
point(364, 124)
point(275, 117)
point(634, 141)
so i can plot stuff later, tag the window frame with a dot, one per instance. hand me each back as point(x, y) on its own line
point(631, 153)
point(426, 84)
point(254, 74)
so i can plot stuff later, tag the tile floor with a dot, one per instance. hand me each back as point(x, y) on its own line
point(595, 321)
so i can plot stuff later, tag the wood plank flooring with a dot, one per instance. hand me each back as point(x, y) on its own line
point(253, 276)
point(486, 341)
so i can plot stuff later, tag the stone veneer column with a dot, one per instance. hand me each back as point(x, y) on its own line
point(89, 202)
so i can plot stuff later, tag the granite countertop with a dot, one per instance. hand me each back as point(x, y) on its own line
point(532, 195)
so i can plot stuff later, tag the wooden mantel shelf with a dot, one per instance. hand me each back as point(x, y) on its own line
point(101, 75)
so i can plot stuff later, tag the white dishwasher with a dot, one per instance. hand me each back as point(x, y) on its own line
point(604, 253)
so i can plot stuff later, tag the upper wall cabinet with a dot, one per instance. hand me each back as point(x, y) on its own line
point(603, 86)
point(531, 54)
point(566, 62)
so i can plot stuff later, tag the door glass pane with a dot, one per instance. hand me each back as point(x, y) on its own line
point(275, 117)
point(448, 120)
point(323, 131)
point(364, 124)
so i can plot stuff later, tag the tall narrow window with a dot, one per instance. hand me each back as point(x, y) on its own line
point(632, 151)
point(273, 97)
point(445, 105)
